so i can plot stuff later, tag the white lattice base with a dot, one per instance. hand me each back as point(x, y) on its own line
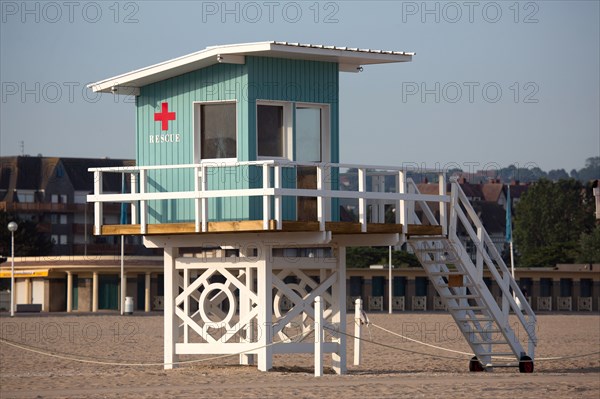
point(419, 303)
point(544, 303)
point(584, 304)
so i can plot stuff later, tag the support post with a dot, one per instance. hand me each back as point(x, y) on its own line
point(171, 329)
point(442, 204)
point(69, 292)
point(318, 337)
point(95, 292)
point(27, 290)
point(143, 203)
point(147, 292)
point(265, 306)
point(245, 308)
point(266, 199)
point(134, 204)
point(357, 330)
point(123, 276)
point(338, 317)
point(401, 211)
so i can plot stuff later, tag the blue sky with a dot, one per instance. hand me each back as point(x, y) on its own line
point(492, 84)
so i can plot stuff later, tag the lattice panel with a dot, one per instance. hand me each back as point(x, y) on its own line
point(376, 303)
point(398, 303)
point(584, 303)
point(293, 303)
point(419, 303)
point(544, 303)
point(212, 304)
point(438, 304)
point(564, 303)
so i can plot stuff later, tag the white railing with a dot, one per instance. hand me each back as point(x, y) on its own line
point(400, 196)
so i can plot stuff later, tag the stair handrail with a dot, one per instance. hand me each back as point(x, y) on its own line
point(458, 198)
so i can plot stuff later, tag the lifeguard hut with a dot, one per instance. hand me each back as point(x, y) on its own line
point(239, 180)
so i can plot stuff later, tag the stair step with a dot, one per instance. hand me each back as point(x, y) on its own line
point(495, 354)
point(446, 273)
point(467, 308)
point(490, 343)
point(475, 320)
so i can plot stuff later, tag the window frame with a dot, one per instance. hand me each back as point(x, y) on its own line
point(325, 128)
point(197, 133)
point(287, 129)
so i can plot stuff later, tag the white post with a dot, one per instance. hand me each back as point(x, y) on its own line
point(134, 204)
point(204, 200)
point(266, 198)
point(123, 279)
point(512, 260)
point(245, 309)
point(320, 199)
point(362, 202)
point(147, 293)
point(401, 211)
point(265, 306)
point(319, 336)
point(143, 203)
point(338, 315)
point(278, 201)
point(95, 292)
point(357, 330)
point(443, 216)
point(97, 204)
point(12, 271)
point(171, 329)
point(69, 292)
point(390, 280)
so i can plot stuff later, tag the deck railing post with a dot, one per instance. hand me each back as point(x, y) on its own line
point(266, 199)
point(362, 202)
point(197, 200)
point(453, 215)
point(143, 202)
point(278, 201)
point(401, 212)
point(97, 204)
point(134, 204)
point(320, 199)
point(442, 204)
point(204, 200)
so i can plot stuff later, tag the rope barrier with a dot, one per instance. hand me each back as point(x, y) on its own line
point(471, 354)
point(106, 363)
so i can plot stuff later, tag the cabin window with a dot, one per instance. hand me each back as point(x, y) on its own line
point(218, 125)
point(270, 130)
point(273, 130)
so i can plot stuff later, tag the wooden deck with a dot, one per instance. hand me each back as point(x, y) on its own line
point(252, 226)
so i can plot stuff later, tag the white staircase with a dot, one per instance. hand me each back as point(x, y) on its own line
point(496, 339)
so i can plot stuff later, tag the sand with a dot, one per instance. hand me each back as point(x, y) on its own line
point(383, 373)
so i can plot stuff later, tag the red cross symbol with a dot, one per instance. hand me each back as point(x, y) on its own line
point(164, 116)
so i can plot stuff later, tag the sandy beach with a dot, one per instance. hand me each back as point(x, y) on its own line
point(408, 370)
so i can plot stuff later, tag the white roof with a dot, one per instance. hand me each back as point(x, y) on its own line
point(349, 60)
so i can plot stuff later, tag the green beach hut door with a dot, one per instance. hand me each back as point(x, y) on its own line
point(312, 133)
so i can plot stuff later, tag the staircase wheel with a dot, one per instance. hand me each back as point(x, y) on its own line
point(526, 364)
point(475, 365)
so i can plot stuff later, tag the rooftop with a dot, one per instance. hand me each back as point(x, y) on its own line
point(349, 60)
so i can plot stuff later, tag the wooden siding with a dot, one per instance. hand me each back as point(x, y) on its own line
point(260, 78)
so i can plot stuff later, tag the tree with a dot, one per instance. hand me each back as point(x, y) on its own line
point(28, 241)
point(589, 247)
point(591, 171)
point(549, 221)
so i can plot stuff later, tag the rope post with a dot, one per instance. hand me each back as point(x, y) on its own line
point(318, 337)
point(357, 330)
